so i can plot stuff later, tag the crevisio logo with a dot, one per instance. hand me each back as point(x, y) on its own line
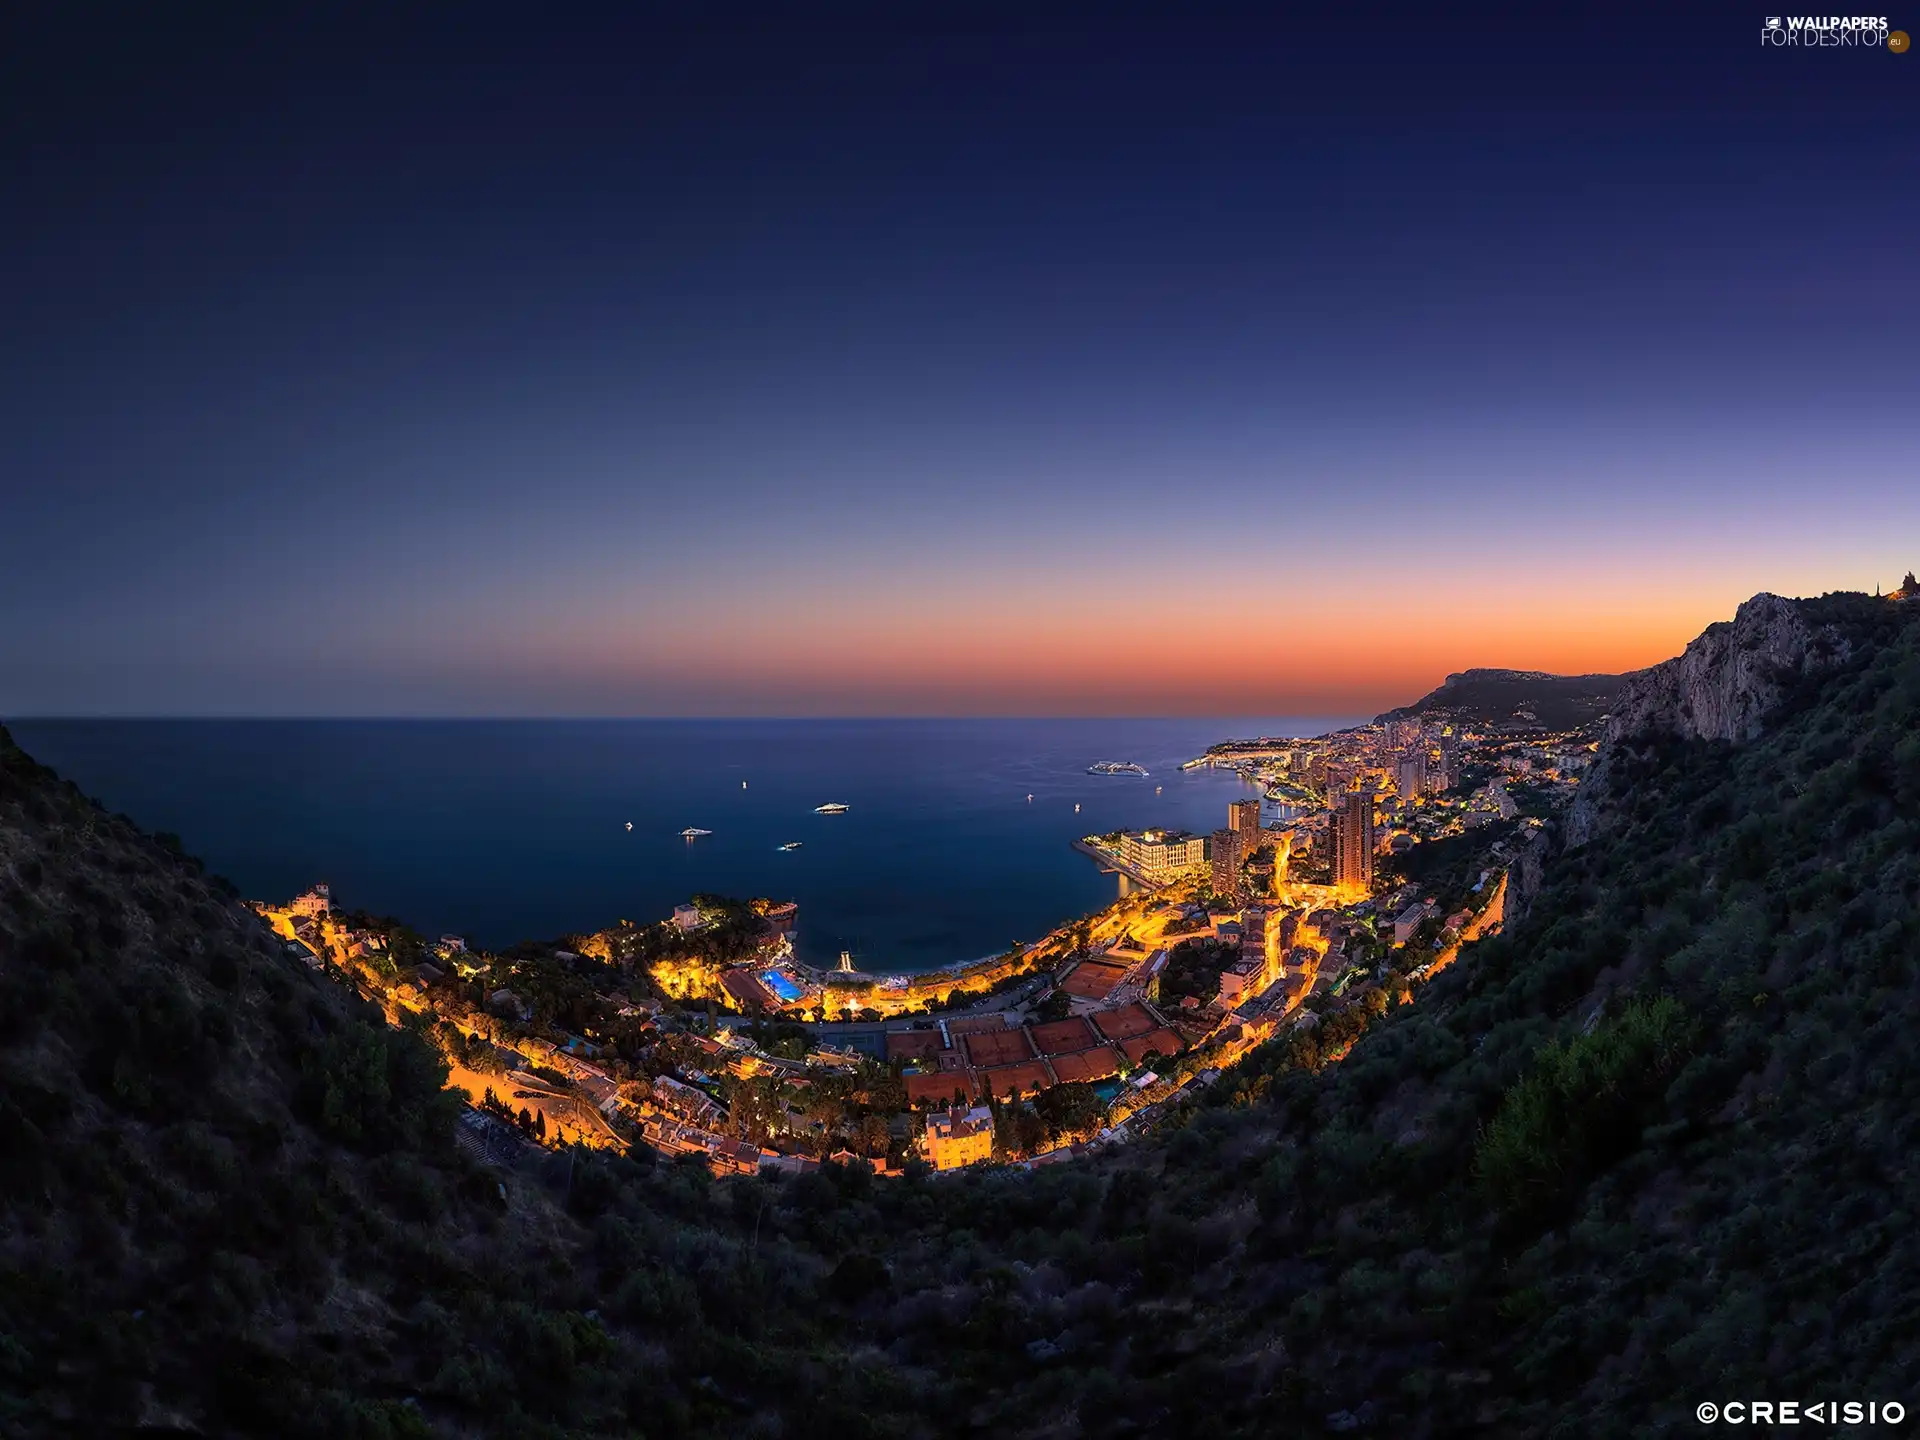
point(1853, 31)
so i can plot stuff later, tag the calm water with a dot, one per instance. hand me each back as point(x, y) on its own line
point(510, 830)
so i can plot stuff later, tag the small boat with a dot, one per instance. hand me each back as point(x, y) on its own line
point(743, 784)
point(790, 845)
point(1156, 789)
point(1029, 797)
point(629, 824)
point(694, 832)
point(1076, 808)
point(833, 807)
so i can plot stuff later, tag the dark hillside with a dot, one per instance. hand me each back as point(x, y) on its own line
point(230, 1197)
point(1657, 1144)
point(1510, 697)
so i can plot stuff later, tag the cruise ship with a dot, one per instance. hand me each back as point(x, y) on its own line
point(1115, 767)
point(831, 808)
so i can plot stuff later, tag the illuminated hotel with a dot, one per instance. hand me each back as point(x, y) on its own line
point(1160, 855)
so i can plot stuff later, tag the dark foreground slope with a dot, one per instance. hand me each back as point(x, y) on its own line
point(1652, 1147)
point(230, 1198)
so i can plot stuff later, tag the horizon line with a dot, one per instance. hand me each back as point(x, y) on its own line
point(354, 719)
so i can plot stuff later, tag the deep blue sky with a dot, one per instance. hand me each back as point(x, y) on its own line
point(929, 358)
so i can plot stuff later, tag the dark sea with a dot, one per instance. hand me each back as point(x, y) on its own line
point(517, 829)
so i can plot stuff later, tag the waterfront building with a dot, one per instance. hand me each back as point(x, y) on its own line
point(686, 917)
point(959, 1137)
point(1352, 836)
point(1161, 855)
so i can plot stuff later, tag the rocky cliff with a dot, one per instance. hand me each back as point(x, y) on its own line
point(1725, 683)
point(1723, 686)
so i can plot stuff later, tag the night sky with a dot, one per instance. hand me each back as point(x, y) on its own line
point(930, 358)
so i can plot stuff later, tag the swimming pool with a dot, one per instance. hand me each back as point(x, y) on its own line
point(783, 985)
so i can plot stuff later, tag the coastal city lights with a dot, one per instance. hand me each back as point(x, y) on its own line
point(876, 721)
point(702, 1034)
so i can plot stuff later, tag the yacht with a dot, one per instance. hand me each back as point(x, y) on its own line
point(790, 845)
point(1115, 767)
point(831, 808)
point(694, 832)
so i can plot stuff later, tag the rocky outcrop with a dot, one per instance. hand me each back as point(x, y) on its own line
point(1722, 687)
point(1729, 678)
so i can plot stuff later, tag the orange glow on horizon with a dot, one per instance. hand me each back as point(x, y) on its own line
point(1159, 648)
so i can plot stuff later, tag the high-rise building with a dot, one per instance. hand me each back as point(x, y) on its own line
point(1228, 857)
point(1352, 837)
point(1411, 773)
point(1449, 770)
point(1243, 818)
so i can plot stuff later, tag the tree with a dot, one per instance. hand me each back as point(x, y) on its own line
point(540, 1124)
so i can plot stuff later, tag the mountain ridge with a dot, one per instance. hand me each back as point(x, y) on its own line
point(1494, 696)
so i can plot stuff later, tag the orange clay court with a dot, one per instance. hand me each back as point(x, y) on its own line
point(1126, 1022)
point(996, 1047)
point(1086, 1066)
point(1094, 979)
point(1063, 1037)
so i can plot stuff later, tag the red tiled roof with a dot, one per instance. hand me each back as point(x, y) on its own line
point(1023, 1079)
point(938, 1088)
point(1063, 1037)
point(747, 991)
point(997, 1047)
point(1086, 1066)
